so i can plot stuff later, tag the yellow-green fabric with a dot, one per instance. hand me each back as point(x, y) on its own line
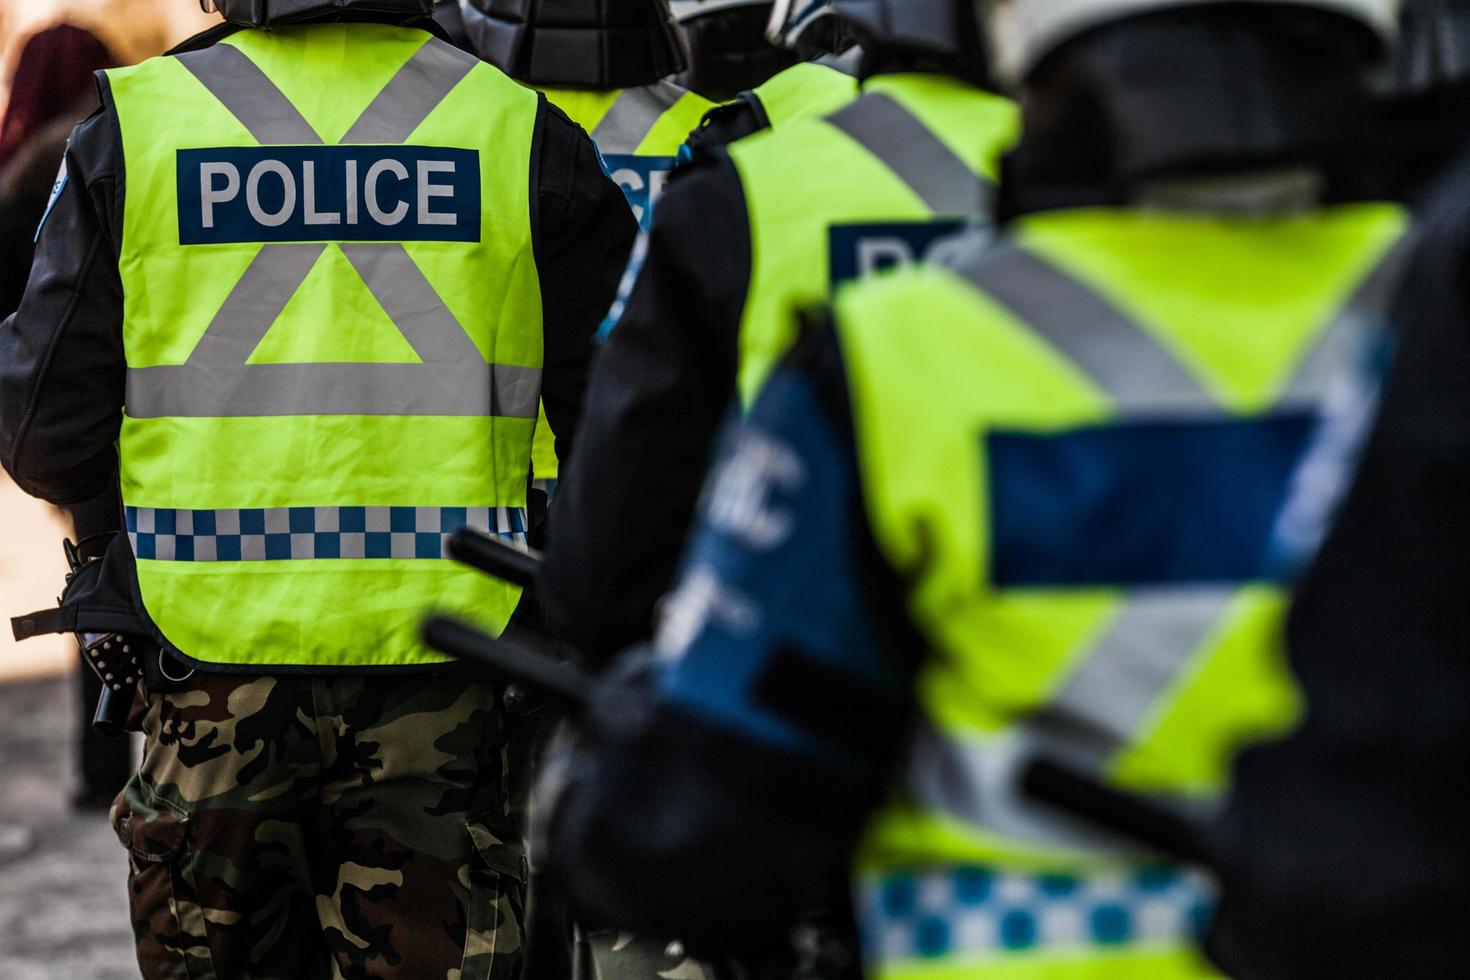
point(587, 108)
point(1241, 304)
point(344, 612)
point(681, 112)
point(803, 91)
point(800, 180)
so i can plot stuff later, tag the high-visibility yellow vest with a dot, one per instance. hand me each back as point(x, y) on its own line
point(638, 131)
point(908, 162)
point(805, 90)
point(1076, 455)
point(332, 323)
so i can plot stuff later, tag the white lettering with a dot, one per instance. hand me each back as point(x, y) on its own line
point(877, 254)
point(352, 192)
point(370, 192)
point(210, 195)
point(428, 190)
point(630, 180)
point(308, 200)
point(252, 193)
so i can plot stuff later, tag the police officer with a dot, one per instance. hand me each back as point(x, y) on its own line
point(1034, 494)
point(300, 286)
point(743, 237)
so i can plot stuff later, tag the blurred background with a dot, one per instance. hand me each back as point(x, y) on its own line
point(62, 873)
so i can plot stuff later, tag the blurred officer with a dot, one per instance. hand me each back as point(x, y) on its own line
point(1345, 842)
point(1022, 508)
point(310, 337)
point(729, 52)
point(744, 237)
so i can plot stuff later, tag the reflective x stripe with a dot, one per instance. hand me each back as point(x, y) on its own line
point(252, 98)
point(1364, 311)
point(216, 381)
point(920, 159)
point(1120, 358)
point(411, 94)
point(1136, 660)
point(632, 116)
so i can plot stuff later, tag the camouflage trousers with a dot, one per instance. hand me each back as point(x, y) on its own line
point(332, 826)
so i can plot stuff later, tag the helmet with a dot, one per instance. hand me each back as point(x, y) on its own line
point(593, 44)
point(1434, 45)
point(267, 14)
point(947, 30)
point(729, 52)
point(808, 26)
point(1022, 32)
point(686, 10)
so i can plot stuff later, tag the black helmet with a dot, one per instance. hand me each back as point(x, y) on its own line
point(594, 44)
point(946, 33)
point(279, 13)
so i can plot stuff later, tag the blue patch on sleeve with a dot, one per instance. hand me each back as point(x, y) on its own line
point(772, 569)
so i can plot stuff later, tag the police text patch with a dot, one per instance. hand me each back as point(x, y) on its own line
point(328, 193)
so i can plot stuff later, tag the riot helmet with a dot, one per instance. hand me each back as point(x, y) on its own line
point(1023, 32)
point(941, 35)
point(811, 28)
point(591, 44)
point(266, 14)
point(728, 49)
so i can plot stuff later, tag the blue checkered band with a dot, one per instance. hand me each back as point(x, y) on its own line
point(970, 911)
point(284, 533)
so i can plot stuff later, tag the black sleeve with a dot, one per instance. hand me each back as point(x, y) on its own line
point(1345, 842)
point(583, 233)
point(724, 124)
point(62, 368)
point(661, 384)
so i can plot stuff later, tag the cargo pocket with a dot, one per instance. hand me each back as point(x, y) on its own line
point(494, 935)
point(168, 924)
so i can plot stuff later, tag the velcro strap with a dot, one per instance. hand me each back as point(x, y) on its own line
point(59, 620)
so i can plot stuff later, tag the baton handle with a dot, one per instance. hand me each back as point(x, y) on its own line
point(510, 660)
point(1119, 811)
point(495, 557)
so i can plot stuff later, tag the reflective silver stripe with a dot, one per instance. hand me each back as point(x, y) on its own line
point(410, 301)
point(1096, 711)
point(410, 95)
point(465, 388)
point(215, 381)
point(632, 116)
point(906, 146)
point(258, 297)
point(1365, 310)
point(1125, 362)
point(1131, 666)
point(252, 98)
